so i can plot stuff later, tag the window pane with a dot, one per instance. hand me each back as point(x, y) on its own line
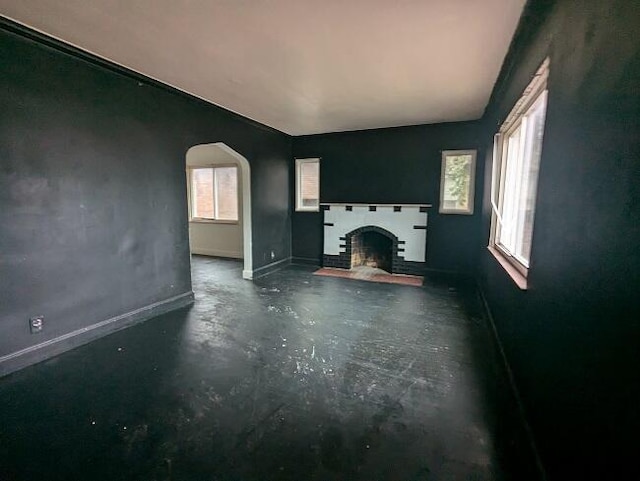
point(202, 193)
point(309, 184)
point(526, 203)
point(511, 148)
point(522, 162)
point(226, 193)
point(457, 183)
point(517, 153)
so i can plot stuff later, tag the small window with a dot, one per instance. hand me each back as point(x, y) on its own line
point(517, 152)
point(214, 193)
point(457, 181)
point(308, 185)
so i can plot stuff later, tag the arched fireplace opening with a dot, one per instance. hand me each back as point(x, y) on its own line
point(372, 249)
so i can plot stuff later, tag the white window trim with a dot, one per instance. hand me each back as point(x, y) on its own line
point(535, 91)
point(299, 206)
point(472, 181)
point(206, 220)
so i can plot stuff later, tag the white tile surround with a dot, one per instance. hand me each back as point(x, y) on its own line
point(408, 225)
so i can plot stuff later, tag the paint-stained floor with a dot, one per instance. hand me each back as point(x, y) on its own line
point(291, 377)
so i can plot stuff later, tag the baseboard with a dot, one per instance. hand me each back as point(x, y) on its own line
point(271, 268)
point(449, 275)
point(443, 272)
point(309, 261)
point(53, 347)
point(217, 253)
point(512, 383)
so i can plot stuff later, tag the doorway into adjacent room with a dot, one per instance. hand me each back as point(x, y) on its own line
point(219, 203)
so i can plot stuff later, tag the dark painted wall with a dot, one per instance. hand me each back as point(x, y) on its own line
point(573, 338)
point(397, 165)
point(93, 208)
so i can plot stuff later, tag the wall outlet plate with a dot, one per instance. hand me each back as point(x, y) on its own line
point(36, 324)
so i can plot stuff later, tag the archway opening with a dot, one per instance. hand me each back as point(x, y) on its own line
point(219, 200)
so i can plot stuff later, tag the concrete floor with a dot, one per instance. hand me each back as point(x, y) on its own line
point(291, 377)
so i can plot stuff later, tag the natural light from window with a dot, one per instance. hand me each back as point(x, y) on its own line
point(214, 193)
point(457, 181)
point(307, 184)
point(517, 152)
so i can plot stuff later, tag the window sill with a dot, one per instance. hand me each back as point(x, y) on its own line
point(515, 274)
point(307, 210)
point(213, 221)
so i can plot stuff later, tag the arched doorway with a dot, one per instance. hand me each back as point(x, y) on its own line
point(221, 155)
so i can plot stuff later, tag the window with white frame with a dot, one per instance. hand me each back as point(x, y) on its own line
point(457, 181)
point(214, 193)
point(517, 151)
point(308, 185)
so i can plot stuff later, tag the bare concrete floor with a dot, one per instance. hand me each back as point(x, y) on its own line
point(291, 377)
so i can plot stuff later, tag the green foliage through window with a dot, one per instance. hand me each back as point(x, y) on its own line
point(457, 182)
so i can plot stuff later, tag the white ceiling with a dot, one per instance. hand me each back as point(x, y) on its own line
point(300, 66)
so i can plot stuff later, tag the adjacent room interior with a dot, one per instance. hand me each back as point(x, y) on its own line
point(290, 240)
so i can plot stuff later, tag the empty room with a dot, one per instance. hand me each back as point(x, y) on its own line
point(363, 240)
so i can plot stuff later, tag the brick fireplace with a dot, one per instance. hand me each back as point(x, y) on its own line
point(388, 237)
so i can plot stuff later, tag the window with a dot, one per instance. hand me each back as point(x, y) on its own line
point(517, 150)
point(214, 193)
point(456, 181)
point(308, 184)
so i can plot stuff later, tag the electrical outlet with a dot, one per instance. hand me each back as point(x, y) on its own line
point(36, 324)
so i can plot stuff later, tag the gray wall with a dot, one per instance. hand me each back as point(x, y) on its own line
point(573, 338)
point(93, 210)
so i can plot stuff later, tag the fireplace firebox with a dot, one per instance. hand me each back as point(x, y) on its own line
point(372, 249)
point(383, 236)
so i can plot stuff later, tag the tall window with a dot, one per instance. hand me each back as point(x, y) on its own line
point(456, 181)
point(308, 184)
point(517, 150)
point(214, 193)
